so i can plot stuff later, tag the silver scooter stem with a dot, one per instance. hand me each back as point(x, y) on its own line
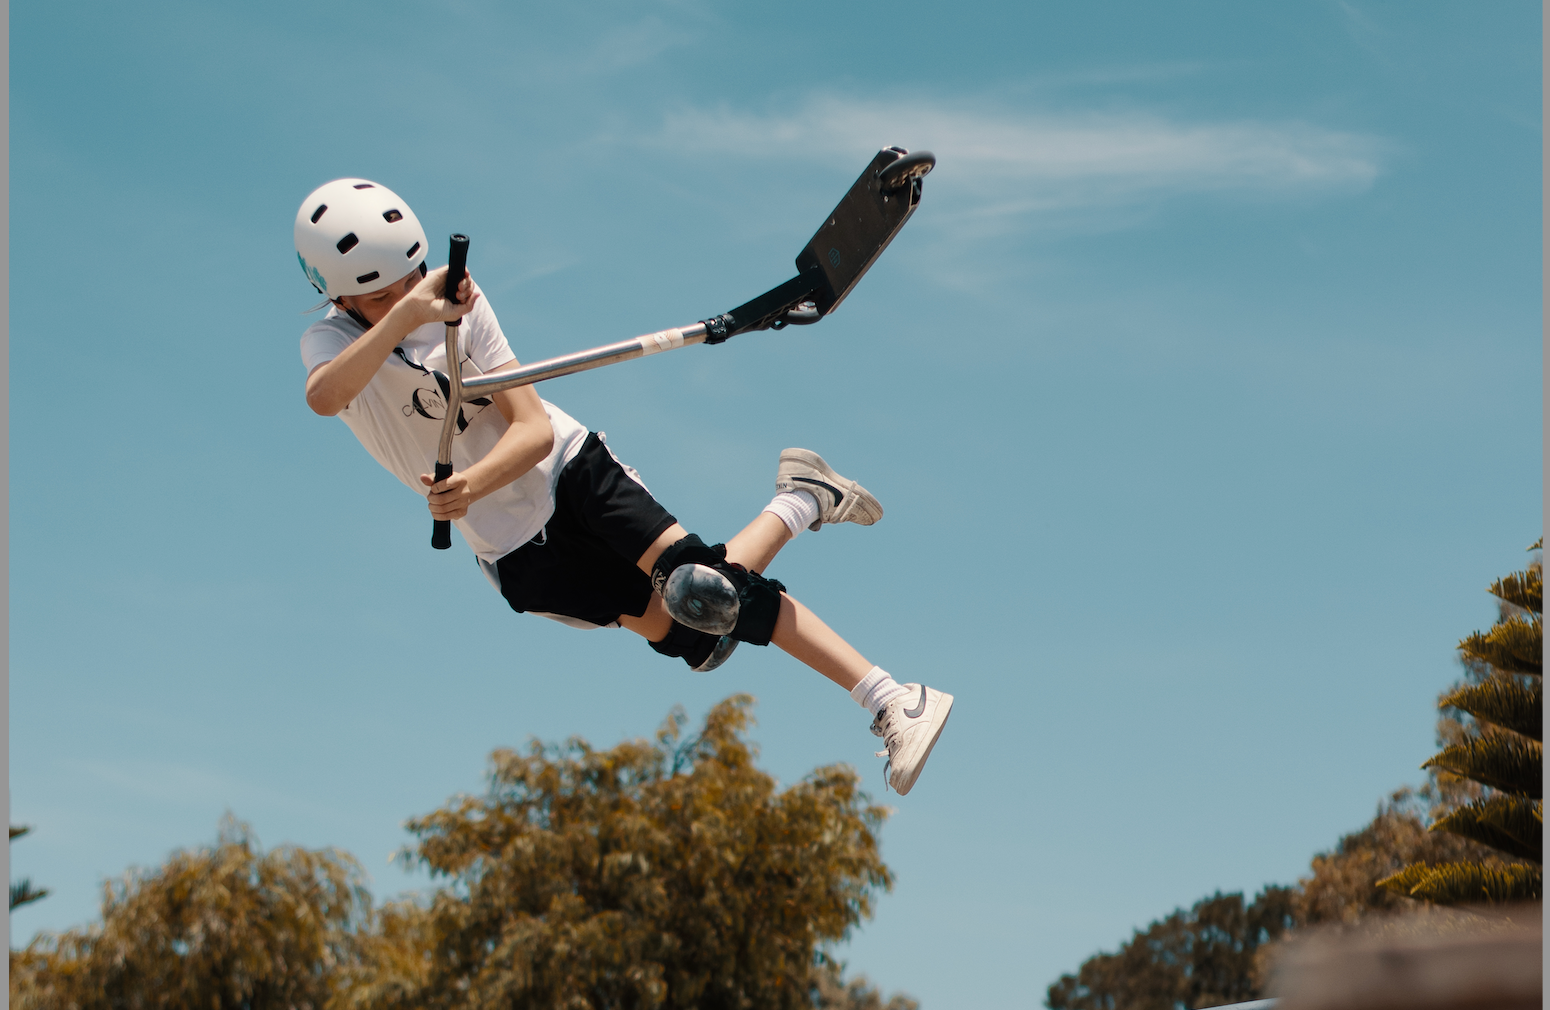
point(580, 361)
point(457, 266)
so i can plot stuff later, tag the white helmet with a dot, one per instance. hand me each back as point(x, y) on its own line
point(354, 236)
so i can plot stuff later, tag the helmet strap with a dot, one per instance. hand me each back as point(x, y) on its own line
point(339, 303)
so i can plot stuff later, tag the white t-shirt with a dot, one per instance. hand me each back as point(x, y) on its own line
point(397, 417)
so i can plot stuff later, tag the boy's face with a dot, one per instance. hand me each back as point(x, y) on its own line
point(374, 305)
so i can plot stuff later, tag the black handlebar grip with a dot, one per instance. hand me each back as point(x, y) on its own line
point(457, 267)
point(441, 529)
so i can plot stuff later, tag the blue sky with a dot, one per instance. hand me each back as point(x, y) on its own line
point(1203, 394)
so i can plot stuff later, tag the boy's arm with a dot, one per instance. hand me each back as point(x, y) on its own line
point(526, 443)
point(334, 384)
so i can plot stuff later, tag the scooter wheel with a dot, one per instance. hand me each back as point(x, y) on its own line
point(802, 315)
point(906, 170)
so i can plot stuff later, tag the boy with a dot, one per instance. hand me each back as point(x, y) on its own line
point(560, 526)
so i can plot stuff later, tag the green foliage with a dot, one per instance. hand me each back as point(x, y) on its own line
point(1499, 757)
point(1513, 645)
point(1483, 796)
point(1504, 761)
point(1524, 590)
point(1514, 703)
point(1467, 883)
point(22, 891)
point(1512, 824)
point(1201, 958)
point(666, 875)
point(1342, 887)
point(228, 926)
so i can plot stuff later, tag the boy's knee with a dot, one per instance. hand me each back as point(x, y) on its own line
point(746, 606)
point(691, 550)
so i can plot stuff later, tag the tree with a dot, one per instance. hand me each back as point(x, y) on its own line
point(1490, 731)
point(22, 891)
point(1343, 885)
point(831, 991)
point(228, 926)
point(1495, 745)
point(652, 875)
point(1201, 958)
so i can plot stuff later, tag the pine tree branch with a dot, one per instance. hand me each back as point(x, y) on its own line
point(1512, 646)
point(1522, 589)
point(1509, 823)
point(1501, 760)
point(23, 894)
point(1468, 883)
point(1504, 700)
point(1404, 880)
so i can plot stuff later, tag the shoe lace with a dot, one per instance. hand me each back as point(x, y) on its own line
point(878, 729)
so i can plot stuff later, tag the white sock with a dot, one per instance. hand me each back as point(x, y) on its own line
point(877, 689)
point(797, 509)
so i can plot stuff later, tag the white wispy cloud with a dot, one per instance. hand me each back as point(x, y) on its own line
point(1000, 162)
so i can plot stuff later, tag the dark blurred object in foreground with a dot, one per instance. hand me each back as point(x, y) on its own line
point(1441, 960)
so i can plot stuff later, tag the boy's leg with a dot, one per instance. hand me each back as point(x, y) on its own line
point(801, 635)
point(721, 591)
point(798, 632)
point(753, 548)
point(909, 717)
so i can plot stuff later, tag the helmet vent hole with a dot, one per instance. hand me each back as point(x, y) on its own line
point(363, 278)
point(319, 212)
point(348, 242)
point(412, 250)
point(363, 185)
point(391, 215)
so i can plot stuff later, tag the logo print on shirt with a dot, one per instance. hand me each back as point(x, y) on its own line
point(431, 404)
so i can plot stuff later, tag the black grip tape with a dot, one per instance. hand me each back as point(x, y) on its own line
point(457, 266)
point(441, 529)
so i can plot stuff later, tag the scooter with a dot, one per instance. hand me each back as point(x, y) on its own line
point(828, 268)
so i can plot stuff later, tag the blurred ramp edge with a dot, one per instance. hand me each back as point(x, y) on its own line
point(1491, 963)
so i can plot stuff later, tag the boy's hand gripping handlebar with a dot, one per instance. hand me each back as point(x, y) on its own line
point(452, 388)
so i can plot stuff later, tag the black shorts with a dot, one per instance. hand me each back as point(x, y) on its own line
point(582, 564)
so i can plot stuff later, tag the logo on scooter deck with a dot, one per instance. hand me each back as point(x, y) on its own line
point(834, 257)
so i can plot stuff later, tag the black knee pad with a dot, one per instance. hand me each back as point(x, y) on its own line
point(758, 601)
point(693, 647)
point(758, 598)
point(691, 550)
point(703, 652)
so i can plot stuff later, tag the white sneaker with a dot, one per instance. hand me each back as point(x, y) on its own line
point(910, 726)
point(839, 500)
